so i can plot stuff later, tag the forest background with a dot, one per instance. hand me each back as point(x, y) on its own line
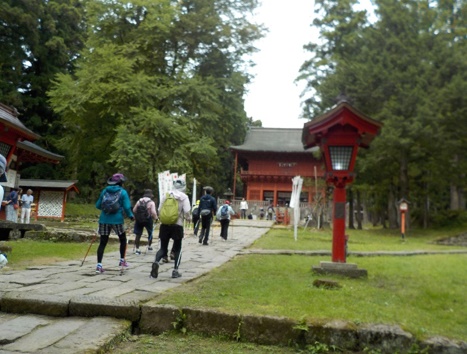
point(144, 86)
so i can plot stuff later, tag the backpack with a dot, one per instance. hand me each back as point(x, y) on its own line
point(142, 213)
point(194, 213)
point(168, 214)
point(270, 210)
point(224, 212)
point(111, 202)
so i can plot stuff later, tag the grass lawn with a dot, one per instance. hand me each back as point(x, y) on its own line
point(425, 295)
point(27, 253)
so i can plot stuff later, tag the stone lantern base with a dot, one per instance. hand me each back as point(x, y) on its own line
point(349, 270)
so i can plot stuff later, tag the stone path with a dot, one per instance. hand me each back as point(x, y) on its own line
point(66, 308)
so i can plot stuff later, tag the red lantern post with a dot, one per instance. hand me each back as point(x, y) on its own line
point(339, 133)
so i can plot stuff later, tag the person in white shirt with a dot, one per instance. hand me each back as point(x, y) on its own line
point(26, 201)
point(243, 208)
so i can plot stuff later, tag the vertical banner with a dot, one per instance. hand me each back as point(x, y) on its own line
point(297, 183)
point(193, 197)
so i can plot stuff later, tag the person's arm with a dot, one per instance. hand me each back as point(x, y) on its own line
point(186, 208)
point(136, 207)
point(152, 209)
point(127, 205)
point(99, 201)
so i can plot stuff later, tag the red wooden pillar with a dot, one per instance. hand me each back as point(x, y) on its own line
point(338, 231)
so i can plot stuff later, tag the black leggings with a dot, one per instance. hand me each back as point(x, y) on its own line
point(103, 243)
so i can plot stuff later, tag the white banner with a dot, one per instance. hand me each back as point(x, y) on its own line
point(297, 183)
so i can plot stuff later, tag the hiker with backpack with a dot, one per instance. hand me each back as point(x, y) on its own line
point(270, 211)
point(173, 208)
point(113, 202)
point(207, 208)
point(195, 218)
point(223, 215)
point(145, 214)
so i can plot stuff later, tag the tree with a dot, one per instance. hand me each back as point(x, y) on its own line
point(159, 86)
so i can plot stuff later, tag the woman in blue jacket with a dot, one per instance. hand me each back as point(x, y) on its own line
point(113, 202)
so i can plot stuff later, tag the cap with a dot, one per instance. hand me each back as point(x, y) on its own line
point(179, 184)
point(148, 193)
point(116, 179)
point(208, 189)
point(227, 202)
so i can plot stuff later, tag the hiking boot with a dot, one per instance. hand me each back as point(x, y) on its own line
point(138, 252)
point(205, 244)
point(99, 269)
point(123, 263)
point(201, 239)
point(154, 270)
point(176, 274)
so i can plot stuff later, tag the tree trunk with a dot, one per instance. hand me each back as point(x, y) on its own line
point(359, 215)
point(392, 211)
point(351, 209)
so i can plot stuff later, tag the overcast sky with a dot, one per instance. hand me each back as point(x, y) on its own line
point(273, 96)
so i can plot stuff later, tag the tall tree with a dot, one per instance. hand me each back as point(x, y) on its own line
point(159, 86)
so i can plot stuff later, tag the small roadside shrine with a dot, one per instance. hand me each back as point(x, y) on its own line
point(49, 197)
point(339, 133)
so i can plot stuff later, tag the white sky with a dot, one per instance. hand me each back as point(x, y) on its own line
point(273, 97)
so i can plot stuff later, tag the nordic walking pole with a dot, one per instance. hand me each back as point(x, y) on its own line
point(89, 248)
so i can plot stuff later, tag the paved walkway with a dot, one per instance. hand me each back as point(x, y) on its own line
point(66, 308)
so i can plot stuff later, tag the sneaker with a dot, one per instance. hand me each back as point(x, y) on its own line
point(99, 269)
point(123, 264)
point(201, 239)
point(176, 274)
point(150, 249)
point(205, 244)
point(165, 259)
point(138, 252)
point(154, 270)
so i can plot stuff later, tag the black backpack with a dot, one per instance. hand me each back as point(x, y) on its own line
point(142, 213)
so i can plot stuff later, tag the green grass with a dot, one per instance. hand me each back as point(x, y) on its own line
point(423, 294)
point(371, 239)
point(27, 253)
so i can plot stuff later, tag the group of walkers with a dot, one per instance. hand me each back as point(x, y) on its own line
point(174, 207)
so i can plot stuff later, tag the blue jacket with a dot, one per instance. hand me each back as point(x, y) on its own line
point(117, 218)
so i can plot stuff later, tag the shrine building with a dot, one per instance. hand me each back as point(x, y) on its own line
point(17, 146)
point(269, 159)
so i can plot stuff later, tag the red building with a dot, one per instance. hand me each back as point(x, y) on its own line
point(17, 145)
point(270, 158)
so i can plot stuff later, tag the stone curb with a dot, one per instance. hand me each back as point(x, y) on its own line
point(351, 253)
point(269, 330)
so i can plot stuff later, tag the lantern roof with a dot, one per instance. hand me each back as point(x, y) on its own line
point(343, 114)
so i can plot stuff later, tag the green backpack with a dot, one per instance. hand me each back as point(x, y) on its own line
point(168, 214)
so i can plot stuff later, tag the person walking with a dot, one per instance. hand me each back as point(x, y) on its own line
point(172, 231)
point(12, 206)
point(195, 218)
point(207, 208)
point(223, 215)
point(145, 215)
point(113, 203)
point(271, 211)
point(243, 208)
point(26, 201)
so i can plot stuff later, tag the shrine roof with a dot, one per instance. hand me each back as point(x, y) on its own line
point(9, 117)
point(273, 140)
point(37, 152)
point(48, 184)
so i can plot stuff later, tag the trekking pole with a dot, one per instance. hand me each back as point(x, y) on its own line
point(92, 241)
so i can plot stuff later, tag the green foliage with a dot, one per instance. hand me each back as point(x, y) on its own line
point(180, 322)
point(159, 87)
point(406, 68)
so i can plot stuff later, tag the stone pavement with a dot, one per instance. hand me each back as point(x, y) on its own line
point(66, 308)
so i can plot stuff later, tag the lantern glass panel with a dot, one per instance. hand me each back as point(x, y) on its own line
point(340, 157)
